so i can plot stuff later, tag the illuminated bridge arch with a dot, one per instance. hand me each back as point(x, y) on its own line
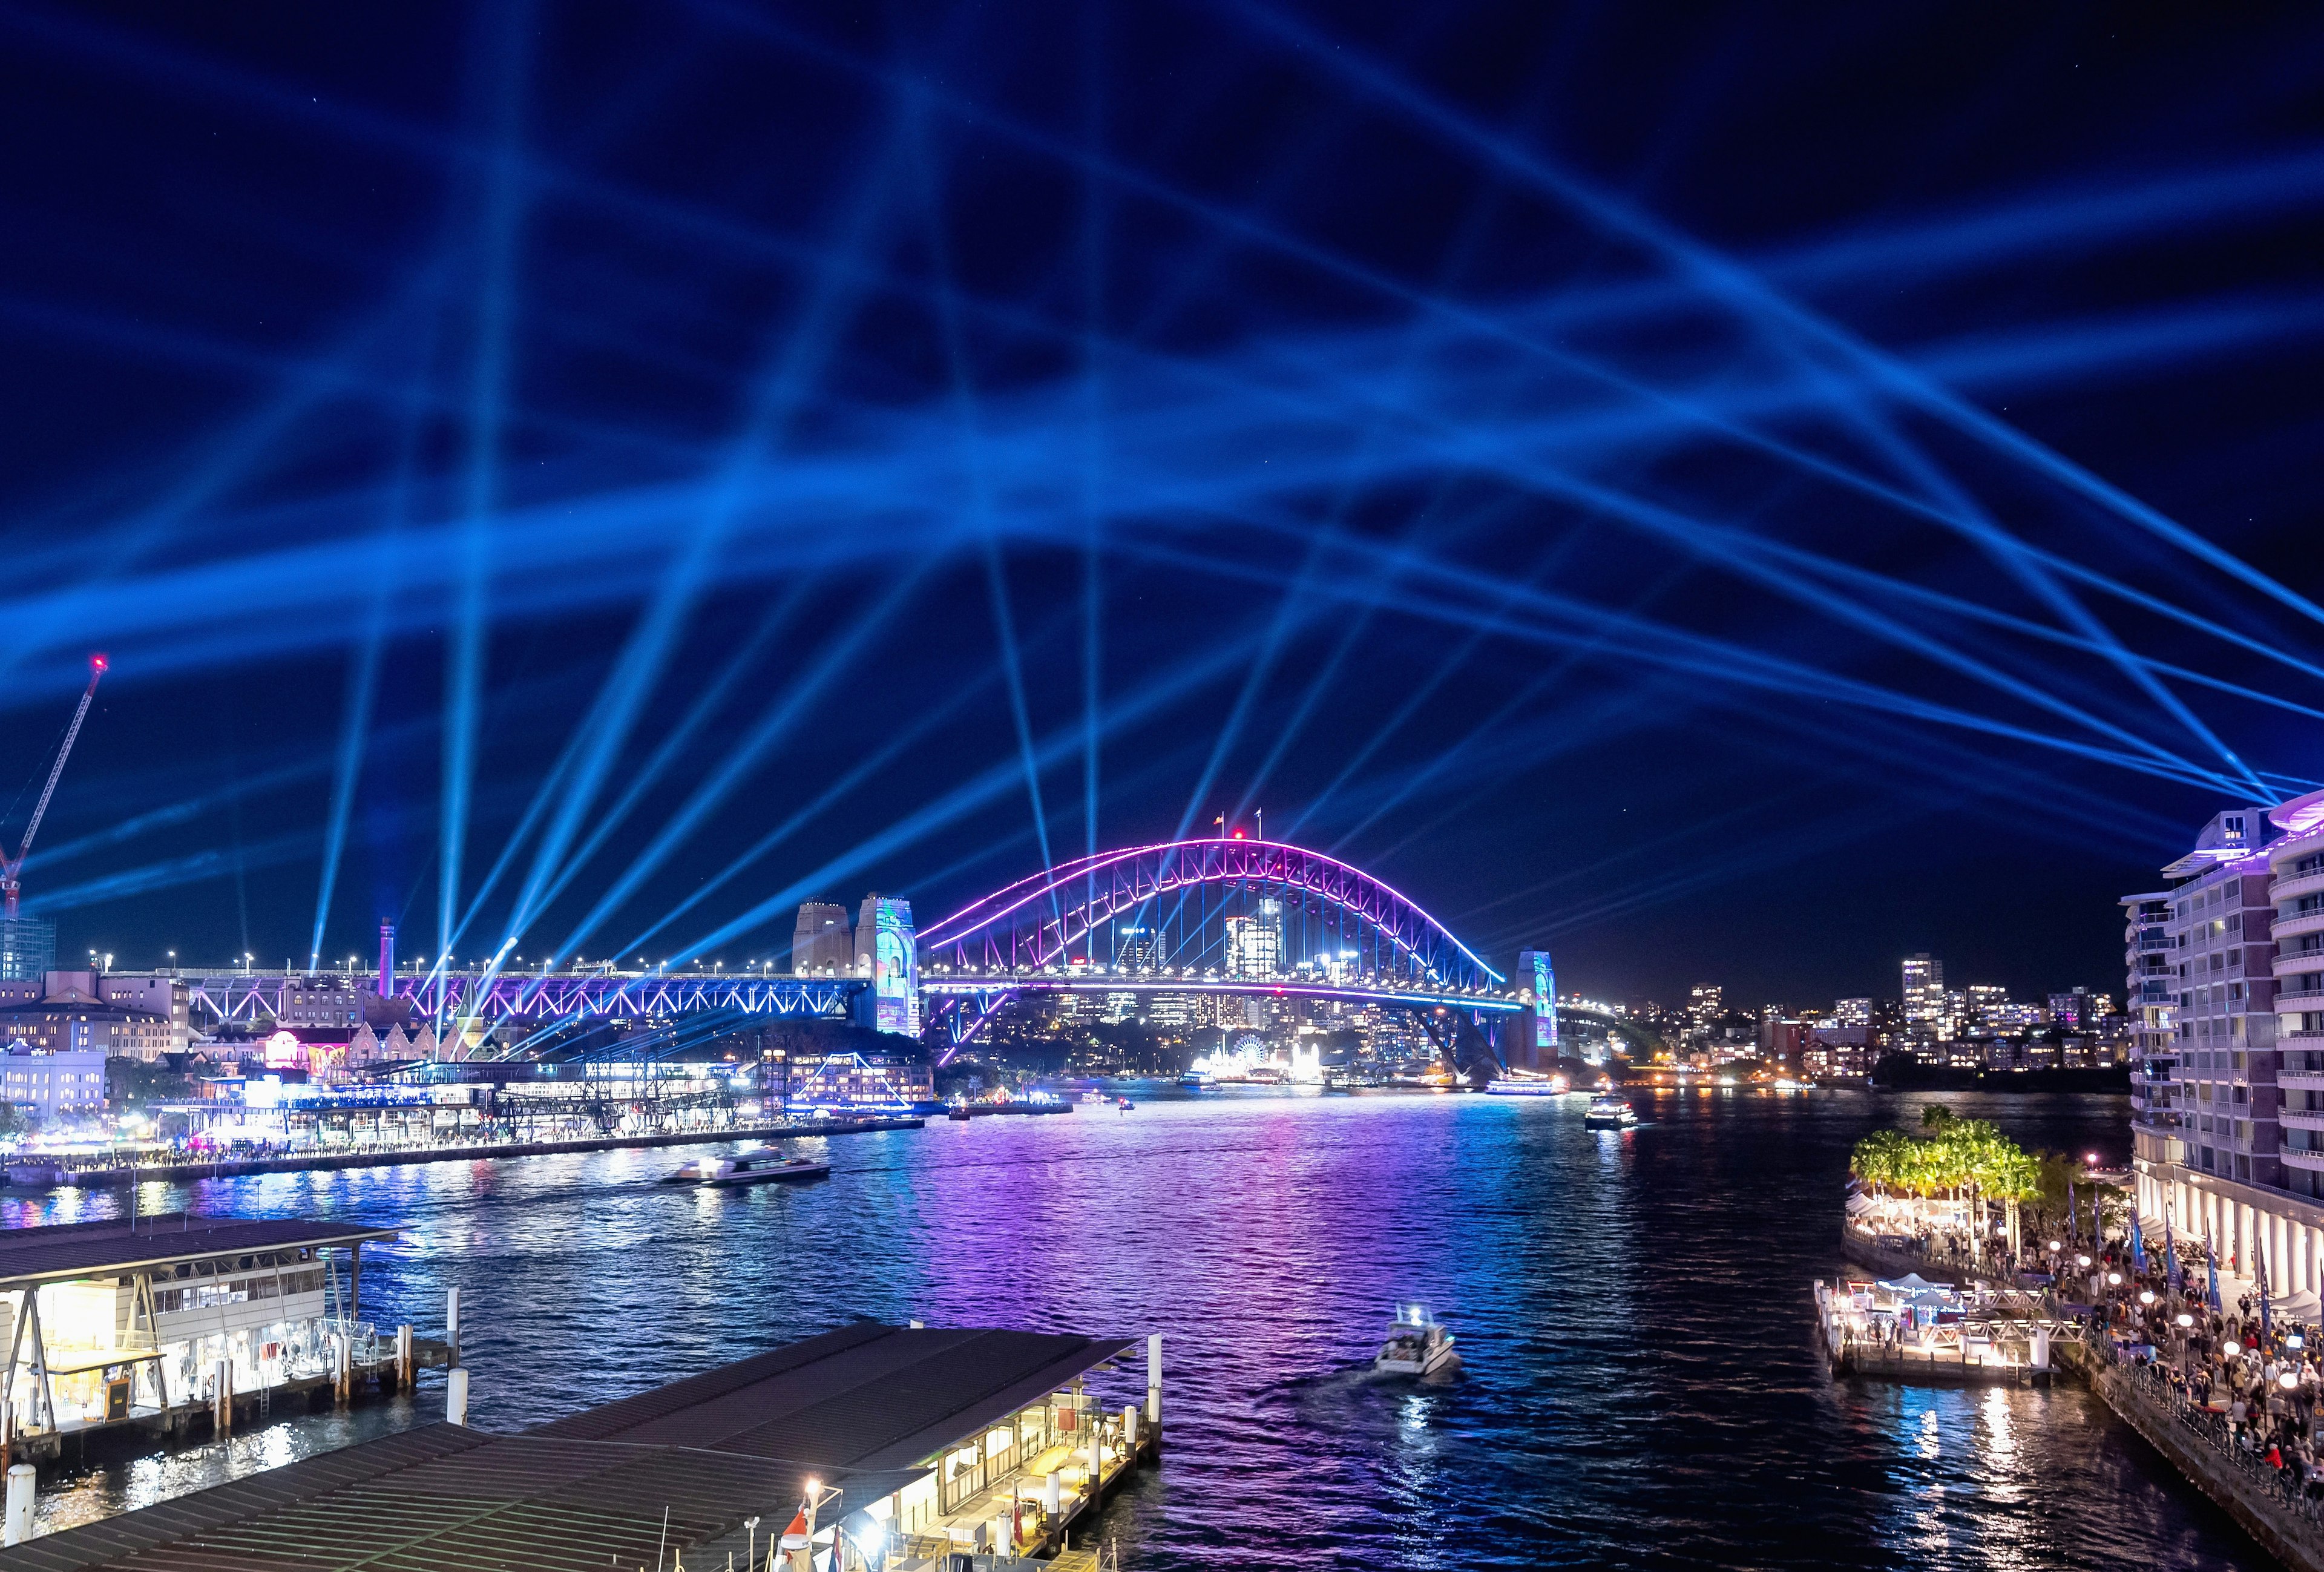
point(1178, 901)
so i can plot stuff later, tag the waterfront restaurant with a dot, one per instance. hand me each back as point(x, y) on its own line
point(900, 1447)
point(126, 1323)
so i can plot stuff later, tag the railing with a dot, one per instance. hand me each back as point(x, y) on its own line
point(2283, 1488)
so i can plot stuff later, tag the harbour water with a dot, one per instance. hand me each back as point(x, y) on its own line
point(1641, 1385)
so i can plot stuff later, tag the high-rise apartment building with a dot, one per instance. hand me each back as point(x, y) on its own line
point(1255, 943)
point(1924, 993)
point(2224, 968)
point(1705, 1004)
point(1851, 1012)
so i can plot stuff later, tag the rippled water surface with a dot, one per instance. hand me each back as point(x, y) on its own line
point(1642, 1388)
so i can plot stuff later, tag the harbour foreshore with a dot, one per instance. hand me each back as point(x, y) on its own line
point(465, 1152)
point(2217, 1396)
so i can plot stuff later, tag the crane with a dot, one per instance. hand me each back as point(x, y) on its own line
point(12, 866)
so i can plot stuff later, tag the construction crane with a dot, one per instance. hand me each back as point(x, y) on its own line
point(14, 866)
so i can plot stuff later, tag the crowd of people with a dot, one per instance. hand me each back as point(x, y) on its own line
point(2250, 1379)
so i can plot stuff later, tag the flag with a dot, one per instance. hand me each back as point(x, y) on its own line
point(2169, 1253)
point(2137, 1244)
point(2212, 1263)
point(2073, 1217)
point(2260, 1265)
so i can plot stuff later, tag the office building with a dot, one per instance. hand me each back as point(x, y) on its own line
point(71, 1021)
point(28, 948)
point(46, 1084)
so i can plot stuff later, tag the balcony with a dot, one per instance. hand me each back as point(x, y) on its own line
point(2311, 1160)
point(2312, 998)
point(2300, 1080)
point(2298, 884)
point(2291, 928)
point(2151, 943)
point(2301, 1119)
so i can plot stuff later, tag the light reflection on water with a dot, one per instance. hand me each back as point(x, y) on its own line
point(1641, 1384)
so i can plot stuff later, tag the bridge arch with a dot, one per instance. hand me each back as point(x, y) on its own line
point(1038, 922)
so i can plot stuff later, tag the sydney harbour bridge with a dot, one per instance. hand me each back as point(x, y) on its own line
point(1229, 916)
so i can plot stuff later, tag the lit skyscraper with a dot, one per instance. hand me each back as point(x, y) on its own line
point(1924, 993)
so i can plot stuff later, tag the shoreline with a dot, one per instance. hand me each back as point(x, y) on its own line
point(328, 1161)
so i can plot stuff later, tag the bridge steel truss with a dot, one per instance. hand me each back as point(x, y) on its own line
point(1023, 937)
point(518, 996)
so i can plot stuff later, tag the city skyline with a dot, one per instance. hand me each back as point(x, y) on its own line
point(526, 517)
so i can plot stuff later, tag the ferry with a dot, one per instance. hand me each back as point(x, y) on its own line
point(1198, 1080)
point(1527, 1087)
point(1610, 1112)
point(1417, 1345)
point(762, 1166)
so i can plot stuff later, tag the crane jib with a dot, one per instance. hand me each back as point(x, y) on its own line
point(10, 869)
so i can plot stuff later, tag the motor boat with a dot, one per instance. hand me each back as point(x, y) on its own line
point(762, 1166)
point(1610, 1112)
point(1198, 1080)
point(1124, 1103)
point(1416, 1346)
point(959, 1111)
point(1527, 1087)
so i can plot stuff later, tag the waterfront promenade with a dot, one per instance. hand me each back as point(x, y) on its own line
point(99, 1174)
point(2233, 1399)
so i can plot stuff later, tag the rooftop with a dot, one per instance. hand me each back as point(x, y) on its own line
point(864, 1397)
point(61, 1252)
point(859, 1408)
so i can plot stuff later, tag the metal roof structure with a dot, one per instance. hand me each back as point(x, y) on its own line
point(61, 1251)
point(864, 1397)
point(436, 1499)
point(857, 1408)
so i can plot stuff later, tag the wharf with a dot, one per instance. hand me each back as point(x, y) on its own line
point(2289, 1528)
point(32, 1174)
point(124, 1333)
point(916, 1443)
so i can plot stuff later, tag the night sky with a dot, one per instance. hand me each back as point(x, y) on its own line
point(1729, 494)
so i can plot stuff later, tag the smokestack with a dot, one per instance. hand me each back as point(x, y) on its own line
point(387, 960)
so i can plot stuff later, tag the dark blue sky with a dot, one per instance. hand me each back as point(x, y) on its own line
point(1738, 497)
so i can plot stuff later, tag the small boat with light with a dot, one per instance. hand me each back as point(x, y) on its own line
point(1416, 1346)
point(1198, 1080)
point(763, 1166)
point(1610, 1112)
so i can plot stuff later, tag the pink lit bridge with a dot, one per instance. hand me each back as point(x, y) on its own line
point(1215, 916)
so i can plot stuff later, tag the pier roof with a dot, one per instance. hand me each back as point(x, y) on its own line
point(440, 1499)
point(61, 1252)
point(864, 1397)
point(858, 1408)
